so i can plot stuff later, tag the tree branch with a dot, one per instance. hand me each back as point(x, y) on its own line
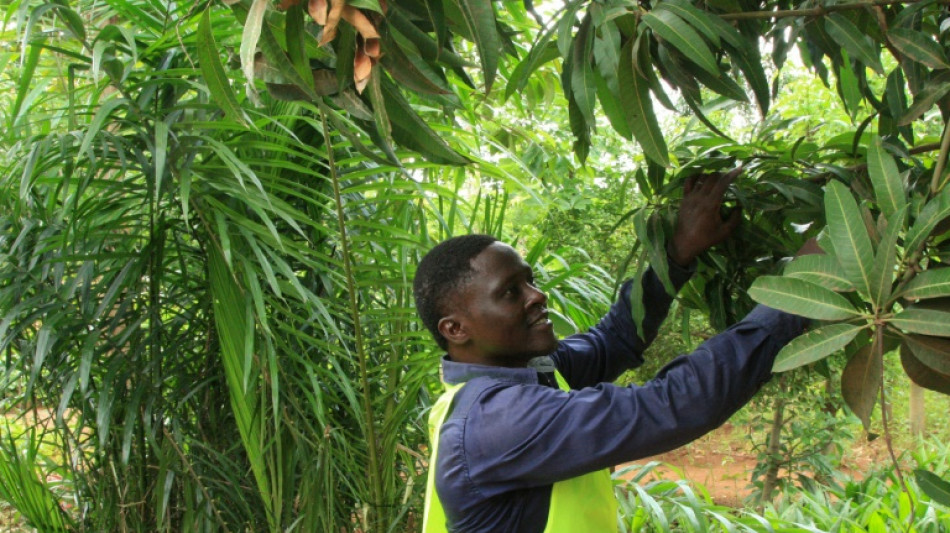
point(815, 11)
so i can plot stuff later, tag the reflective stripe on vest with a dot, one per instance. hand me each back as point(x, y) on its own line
point(584, 503)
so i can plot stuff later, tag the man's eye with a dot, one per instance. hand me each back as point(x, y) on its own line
point(511, 291)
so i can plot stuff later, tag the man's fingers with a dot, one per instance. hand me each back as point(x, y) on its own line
point(724, 180)
point(688, 186)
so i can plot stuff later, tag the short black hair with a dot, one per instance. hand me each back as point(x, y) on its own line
point(440, 273)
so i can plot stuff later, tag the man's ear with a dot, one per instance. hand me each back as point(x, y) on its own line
point(452, 329)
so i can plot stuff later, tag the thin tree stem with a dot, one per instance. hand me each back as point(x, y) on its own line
point(811, 12)
point(879, 345)
point(373, 474)
point(936, 184)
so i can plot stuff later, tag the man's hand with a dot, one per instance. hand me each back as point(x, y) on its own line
point(699, 225)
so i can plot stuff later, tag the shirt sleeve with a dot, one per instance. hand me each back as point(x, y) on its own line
point(614, 345)
point(519, 435)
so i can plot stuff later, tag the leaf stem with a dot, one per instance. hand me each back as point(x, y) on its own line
point(936, 185)
point(373, 470)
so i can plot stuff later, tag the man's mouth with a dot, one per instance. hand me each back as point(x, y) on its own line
point(542, 319)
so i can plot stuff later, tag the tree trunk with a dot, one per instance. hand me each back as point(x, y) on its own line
point(917, 412)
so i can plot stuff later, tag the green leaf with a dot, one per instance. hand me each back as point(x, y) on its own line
point(412, 132)
point(749, 62)
point(479, 18)
point(815, 345)
point(849, 236)
point(933, 486)
point(678, 33)
point(801, 298)
point(923, 375)
point(635, 95)
point(583, 86)
point(933, 352)
point(918, 46)
point(933, 90)
point(849, 37)
point(924, 321)
point(612, 107)
point(721, 84)
point(820, 269)
point(249, 39)
point(886, 179)
point(213, 72)
point(885, 262)
point(932, 283)
point(937, 209)
point(697, 18)
point(861, 381)
point(543, 52)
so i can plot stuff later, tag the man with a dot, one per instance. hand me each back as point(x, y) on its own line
point(512, 448)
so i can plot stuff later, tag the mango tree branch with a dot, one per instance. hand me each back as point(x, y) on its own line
point(815, 11)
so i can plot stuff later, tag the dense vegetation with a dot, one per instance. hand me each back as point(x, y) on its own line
point(210, 215)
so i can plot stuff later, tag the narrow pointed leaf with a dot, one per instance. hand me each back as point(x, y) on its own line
point(861, 381)
point(918, 46)
point(409, 130)
point(583, 86)
point(923, 321)
point(849, 236)
point(249, 39)
point(923, 375)
point(933, 283)
point(748, 60)
point(681, 36)
point(819, 269)
point(886, 179)
point(815, 345)
point(933, 90)
point(849, 37)
point(937, 209)
point(801, 298)
point(933, 352)
point(213, 72)
point(700, 20)
point(612, 107)
point(544, 51)
point(885, 262)
point(938, 489)
point(479, 17)
point(635, 96)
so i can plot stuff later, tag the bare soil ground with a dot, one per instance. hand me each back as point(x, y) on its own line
point(723, 461)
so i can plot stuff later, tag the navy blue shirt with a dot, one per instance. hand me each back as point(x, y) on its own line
point(512, 433)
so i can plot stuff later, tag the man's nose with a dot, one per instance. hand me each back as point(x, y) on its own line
point(536, 296)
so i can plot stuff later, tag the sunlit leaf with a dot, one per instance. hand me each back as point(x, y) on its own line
point(923, 321)
point(932, 283)
point(249, 39)
point(682, 37)
point(849, 37)
point(583, 85)
point(213, 71)
point(815, 345)
point(820, 269)
point(479, 17)
point(933, 90)
point(885, 261)
point(886, 179)
point(849, 236)
point(919, 47)
point(802, 298)
point(635, 96)
point(937, 209)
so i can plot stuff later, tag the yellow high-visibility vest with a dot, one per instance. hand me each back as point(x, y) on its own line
point(584, 503)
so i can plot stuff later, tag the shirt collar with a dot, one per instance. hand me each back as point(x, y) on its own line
point(454, 372)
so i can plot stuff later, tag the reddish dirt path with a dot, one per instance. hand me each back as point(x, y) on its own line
point(723, 462)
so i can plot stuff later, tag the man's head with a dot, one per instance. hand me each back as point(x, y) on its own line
point(477, 297)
